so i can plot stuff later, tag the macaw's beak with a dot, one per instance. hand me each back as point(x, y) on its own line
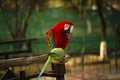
point(69, 35)
point(69, 31)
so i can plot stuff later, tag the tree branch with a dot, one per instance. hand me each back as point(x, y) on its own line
point(31, 6)
point(8, 23)
point(111, 7)
point(16, 20)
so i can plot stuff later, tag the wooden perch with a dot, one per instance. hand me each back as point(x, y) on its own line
point(6, 63)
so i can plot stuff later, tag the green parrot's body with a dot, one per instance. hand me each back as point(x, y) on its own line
point(55, 54)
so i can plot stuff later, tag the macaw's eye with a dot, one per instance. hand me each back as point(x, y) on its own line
point(68, 29)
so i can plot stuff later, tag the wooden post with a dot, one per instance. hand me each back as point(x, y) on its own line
point(59, 70)
point(8, 75)
point(22, 75)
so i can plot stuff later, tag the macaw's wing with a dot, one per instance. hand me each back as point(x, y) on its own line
point(50, 39)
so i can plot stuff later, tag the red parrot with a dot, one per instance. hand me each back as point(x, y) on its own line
point(59, 35)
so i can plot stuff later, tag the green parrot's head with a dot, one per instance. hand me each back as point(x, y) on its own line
point(56, 53)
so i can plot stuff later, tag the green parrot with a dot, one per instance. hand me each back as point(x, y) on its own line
point(56, 54)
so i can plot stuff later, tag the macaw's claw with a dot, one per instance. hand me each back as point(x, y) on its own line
point(64, 59)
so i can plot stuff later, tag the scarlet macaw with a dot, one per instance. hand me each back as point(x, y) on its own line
point(59, 35)
point(57, 38)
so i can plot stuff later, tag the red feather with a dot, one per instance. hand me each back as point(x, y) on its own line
point(60, 37)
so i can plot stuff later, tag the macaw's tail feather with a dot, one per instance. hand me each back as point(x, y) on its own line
point(44, 67)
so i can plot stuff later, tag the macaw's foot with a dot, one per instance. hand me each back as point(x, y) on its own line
point(65, 58)
point(62, 60)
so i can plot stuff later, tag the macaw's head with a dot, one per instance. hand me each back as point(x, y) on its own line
point(64, 28)
point(62, 32)
point(68, 29)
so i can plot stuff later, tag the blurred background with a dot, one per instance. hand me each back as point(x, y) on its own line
point(95, 22)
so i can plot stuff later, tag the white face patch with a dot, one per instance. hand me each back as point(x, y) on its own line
point(71, 29)
point(68, 30)
point(66, 27)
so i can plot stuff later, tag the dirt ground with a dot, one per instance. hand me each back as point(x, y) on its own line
point(85, 76)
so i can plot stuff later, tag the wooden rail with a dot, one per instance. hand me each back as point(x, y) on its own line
point(22, 41)
point(23, 61)
point(17, 41)
point(58, 70)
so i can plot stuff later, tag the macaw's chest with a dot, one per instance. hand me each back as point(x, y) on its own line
point(60, 41)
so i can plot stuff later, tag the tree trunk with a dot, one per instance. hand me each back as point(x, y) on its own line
point(103, 43)
point(101, 17)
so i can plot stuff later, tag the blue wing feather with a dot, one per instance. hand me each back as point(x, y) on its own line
point(50, 40)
